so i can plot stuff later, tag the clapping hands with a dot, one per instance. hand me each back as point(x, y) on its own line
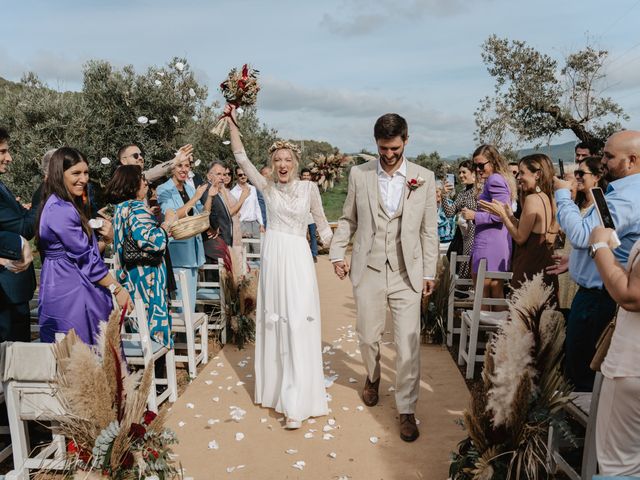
point(502, 210)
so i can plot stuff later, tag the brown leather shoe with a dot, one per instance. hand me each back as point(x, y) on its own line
point(408, 428)
point(370, 392)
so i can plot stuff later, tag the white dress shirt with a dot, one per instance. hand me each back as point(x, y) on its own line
point(250, 210)
point(391, 187)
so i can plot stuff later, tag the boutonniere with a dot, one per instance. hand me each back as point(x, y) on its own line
point(414, 184)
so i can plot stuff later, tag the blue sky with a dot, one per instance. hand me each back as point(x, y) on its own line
point(329, 68)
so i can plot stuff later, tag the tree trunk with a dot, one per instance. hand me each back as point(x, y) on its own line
point(569, 123)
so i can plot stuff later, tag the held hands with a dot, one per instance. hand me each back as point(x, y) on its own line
point(341, 268)
point(468, 214)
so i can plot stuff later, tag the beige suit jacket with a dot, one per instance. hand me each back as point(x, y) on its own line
point(418, 226)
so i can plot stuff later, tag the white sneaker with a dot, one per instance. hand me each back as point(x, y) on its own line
point(293, 424)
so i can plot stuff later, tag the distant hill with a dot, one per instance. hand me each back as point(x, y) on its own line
point(565, 151)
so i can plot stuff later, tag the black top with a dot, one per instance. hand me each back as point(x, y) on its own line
point(185, 199)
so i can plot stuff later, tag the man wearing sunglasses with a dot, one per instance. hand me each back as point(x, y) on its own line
point(131, 154)
point(250, 213)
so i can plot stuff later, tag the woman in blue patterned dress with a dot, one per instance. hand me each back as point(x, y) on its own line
point(128, 188)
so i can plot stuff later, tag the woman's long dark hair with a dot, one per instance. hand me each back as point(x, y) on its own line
point(62, 160)
point(595, 166)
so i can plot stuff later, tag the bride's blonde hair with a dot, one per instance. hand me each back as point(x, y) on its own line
point(295, 156)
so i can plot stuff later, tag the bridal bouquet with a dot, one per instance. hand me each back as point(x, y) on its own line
point(239, 89)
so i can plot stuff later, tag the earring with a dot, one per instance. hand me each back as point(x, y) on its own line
point(538, 189)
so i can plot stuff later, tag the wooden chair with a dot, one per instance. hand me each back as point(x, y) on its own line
point(250, 260)
point(477, 320)
point(5, 451)
point(141, 350)
point(192, 325)
point(455, 303)
point(583, 407)
point(210, 298)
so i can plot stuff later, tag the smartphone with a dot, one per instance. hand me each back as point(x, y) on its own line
point(603, 212)
point(561, 168)
point(451, 178)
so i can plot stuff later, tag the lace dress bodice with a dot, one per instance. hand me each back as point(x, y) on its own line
point(289, 205)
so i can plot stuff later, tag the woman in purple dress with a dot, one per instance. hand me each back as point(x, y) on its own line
point(492, 240)
point(75, 284)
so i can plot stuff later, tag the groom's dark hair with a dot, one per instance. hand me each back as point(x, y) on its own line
point(390, 125)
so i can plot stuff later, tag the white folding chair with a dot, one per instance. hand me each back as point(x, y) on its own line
point(192, 325)
point(210, 298)
point(141, 350)
point(33, 305)
point(583, 407)
point(5, 450)
point(454, 302)
point(477, 320)
point(250, 259)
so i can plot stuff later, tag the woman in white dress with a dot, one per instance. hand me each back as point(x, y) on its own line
point(288, 354)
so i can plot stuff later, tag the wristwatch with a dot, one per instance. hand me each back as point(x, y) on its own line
point(595, 247)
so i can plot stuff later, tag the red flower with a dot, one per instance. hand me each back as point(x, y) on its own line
point(245, 71)
point(154, 453)
point(241, 84)
point(149, 417)
point(413, 181)
point(137, 431)
point(72, 447)
point(127, 461)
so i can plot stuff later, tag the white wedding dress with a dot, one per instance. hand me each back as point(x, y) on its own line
point(289, 373)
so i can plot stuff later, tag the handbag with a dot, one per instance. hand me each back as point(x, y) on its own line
point(134, 256)
point(602, 345)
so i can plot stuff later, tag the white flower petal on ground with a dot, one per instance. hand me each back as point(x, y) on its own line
point(192, 92)
point(300, 464)
point(392, 389)
point(142, 119)
point(213, 421)
point(237, 413)
point(327, 436)
point(311, 421)
point(105, 161)
point(179, 66)
point(213, 445)
point(373, 440)
point(181, 424)
point(239, 436)
point(239, 383)
point(230, 469)
point(326, 349)
point(360, 408)
point(240, 466)
point(208, 382)
point(216, 399)
point(333, 454)
point(327, 428)
point(352, 380)
point(328, 381)
point(190, 405)
point(312, 430)
point(229, 389)
point(308, 435)
point(291, 451)
point(197, 415)
point(263, 420)
point(331, 421)
point(346, 409)
point(220, 364)
point(214, 373)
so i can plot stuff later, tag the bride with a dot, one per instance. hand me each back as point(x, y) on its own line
point(288, 357)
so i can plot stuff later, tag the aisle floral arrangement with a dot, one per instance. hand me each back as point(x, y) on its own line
point(326, 170)
point(521, 394)
point(240, 293)
point(240, 89)
point(109, 431)
point(433, 309)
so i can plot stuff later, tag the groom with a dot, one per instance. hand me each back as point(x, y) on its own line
point(390, 211)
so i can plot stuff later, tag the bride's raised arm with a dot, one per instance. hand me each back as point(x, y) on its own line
point(254, 176)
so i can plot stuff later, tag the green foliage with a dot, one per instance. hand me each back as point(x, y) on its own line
point(434, 162)
point(535, 99)
point(104, 116)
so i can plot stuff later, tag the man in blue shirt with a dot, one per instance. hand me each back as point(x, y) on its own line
point(592, 308)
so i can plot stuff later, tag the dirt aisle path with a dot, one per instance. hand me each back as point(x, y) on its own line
point(339, 446)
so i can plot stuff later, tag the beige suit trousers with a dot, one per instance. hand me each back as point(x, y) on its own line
point(376, 291)
point(618, 427)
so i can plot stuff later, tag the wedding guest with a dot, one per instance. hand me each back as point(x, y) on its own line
point(592, 306)
point(133, 220)
point(131, 154)
point(467, 198)
point(288, 368)
point(75, 284)
point(228, 178)
point(250, 214)
point(536, 230)
point(305, 174)
point(618, 420)
point(18, 284)
point(586, 149)
point(492, 240)
point(446, 225)
point(176, 194)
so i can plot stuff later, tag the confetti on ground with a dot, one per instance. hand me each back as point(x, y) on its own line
point(299, 465)
point(352, 380)
point(181, 424)
point(237, 413)
point(333, 454)
point(327, 436)
point(213, 445)
point(331, 421)
point(239, 436)
point(208, 382)
point(213, 421)
point(373, 440)
point(263, 420)
point(360, 408)
point(291, 451)
point(392, 389)
point(308, 435)
point(311, 420)
point(216, 399)
point(191, 406)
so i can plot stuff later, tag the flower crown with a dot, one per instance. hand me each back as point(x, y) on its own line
point(282, 144)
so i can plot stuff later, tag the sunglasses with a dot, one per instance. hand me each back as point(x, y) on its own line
point(136, 155)
point(581, 173)
point(479, 166)
point(242, 175)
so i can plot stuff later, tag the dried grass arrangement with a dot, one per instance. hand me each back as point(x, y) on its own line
point(107, 426)
point(521, 394)
point(240, 293)
point(433, 309)
point(326, 170)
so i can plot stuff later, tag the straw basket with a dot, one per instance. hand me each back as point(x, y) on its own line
point(188, 227)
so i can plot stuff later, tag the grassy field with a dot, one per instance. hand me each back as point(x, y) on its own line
point(333, 200)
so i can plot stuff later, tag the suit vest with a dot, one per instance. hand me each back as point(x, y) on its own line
point(387, 247)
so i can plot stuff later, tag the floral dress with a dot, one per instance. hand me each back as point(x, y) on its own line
point(467, 198)
point(132, 217)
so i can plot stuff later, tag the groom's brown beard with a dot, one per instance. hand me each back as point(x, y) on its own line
point(396, 157)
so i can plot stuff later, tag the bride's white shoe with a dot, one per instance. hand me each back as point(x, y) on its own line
point(292, 424)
